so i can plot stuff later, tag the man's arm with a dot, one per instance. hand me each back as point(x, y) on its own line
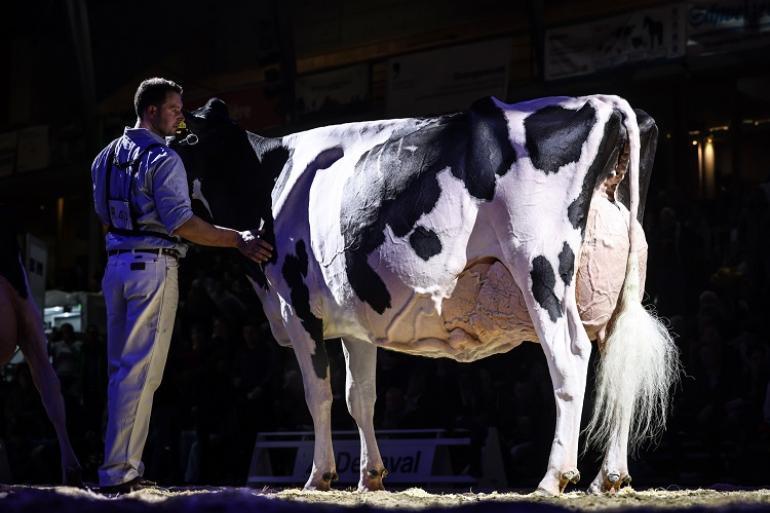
point(200, 232)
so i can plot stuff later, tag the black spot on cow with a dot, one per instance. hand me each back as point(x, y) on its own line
point(566, 264)
point(603, 164)
point(555, 135)
point(275, 160)
point(543, 283)
point(474, 146)
point(272, 157)
point(294, 271)
point(320, 359)
point(490, 151)
point(425, 242)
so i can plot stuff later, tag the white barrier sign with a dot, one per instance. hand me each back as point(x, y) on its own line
point(406, 461)
point(410, 456)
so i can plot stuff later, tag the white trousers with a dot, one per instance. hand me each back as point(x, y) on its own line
point(141, 292)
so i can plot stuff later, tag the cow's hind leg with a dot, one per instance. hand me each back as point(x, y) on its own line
point(361, 394)
point(567, 350)
point(314, 364)
point(614, 471)
point(553, 309)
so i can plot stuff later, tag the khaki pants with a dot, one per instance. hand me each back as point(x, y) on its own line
point(141, 292)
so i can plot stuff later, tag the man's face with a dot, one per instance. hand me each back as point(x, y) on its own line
point(166, 118)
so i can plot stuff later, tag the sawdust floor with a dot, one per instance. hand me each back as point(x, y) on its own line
point(28, 498)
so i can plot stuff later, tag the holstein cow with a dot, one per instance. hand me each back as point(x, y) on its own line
point(457, 236)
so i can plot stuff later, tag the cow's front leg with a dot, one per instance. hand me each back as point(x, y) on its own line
point(314, 364)
point(361, 394)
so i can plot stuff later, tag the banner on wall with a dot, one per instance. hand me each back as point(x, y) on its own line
point(329, 90)
point(718, 26)
point(447, 79)
point(644, 35)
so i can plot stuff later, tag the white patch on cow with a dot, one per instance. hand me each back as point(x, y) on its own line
point(198, 194)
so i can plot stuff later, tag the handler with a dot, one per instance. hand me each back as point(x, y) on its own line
point(141, 193)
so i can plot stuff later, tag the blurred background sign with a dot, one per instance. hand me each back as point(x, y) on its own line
point(447, 79)
point(637, 36)
point(727, 25)
point(331, 90)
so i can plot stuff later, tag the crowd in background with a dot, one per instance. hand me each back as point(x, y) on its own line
point(226, 378)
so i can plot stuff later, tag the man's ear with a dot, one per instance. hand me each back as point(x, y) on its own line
point(151, 110)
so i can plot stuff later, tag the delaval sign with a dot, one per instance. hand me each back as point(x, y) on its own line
point(407, 461)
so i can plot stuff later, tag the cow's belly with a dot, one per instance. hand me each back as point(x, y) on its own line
point(486, 313)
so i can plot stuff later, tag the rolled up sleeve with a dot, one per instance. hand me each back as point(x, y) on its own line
point(99, 188)
point(171, 192)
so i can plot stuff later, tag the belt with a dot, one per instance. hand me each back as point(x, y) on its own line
point(156, 251)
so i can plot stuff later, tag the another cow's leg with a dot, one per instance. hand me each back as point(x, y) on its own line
point(361, 394)
point(314, 364)
point(553, 308)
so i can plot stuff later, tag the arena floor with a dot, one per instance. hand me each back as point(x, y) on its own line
point(27, 498)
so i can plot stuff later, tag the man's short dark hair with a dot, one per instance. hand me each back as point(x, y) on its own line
point(153, 91)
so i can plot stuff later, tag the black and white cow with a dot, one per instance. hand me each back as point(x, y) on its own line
point(458, 236)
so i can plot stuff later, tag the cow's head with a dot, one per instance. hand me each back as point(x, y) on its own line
point(231, 174)
point(224, 172)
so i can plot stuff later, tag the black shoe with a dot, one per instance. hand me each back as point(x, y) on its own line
point(129, 486)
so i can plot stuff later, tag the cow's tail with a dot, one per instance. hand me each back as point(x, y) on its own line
point(639, 362)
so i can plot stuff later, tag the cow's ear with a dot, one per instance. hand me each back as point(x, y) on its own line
point(216, 109)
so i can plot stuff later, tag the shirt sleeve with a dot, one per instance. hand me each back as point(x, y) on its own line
point(99, 189)
point(171, 192)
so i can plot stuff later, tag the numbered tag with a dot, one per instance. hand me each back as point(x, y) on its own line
point(120, 214)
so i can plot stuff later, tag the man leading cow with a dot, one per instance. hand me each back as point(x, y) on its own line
point(141, 194)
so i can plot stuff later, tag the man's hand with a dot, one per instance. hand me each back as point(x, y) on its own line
point(252, 246)
point(248, 242)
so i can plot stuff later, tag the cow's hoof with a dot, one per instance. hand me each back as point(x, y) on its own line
point(571, 476)
point(555, 481)
point(324, 484)
point(549, 487)
point(609, 482)
point(543, 491)
point(371, 481)
point(565, 478)
point(330, 477)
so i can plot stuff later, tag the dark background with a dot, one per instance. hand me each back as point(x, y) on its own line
point(71, 66)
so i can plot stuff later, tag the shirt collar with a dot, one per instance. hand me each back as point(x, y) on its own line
point(142, 137)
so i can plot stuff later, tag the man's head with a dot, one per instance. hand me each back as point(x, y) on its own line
point(158, 105)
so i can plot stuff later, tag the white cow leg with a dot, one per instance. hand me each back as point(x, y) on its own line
point(567, 350)
point(614, 470)
point(361, 394)
point(314, 364)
